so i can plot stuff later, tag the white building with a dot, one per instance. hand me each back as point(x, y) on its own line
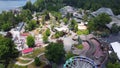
point(67, 9)
point(103, 10)
point(116, 48)
point(64, 28)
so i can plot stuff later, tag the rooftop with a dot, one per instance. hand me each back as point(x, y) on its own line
point(116, 46)
point(27, 50)
point(103, 10)
point(114, 21)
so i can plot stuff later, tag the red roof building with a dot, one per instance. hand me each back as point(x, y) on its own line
point(25, 51)
point(24, 34)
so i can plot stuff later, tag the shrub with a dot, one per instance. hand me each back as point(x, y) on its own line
point(37, 61)
point(30, 41)
point(48, 32)
point(68, 55)
point(59, 34)
point(45, 38)
point(80, 32)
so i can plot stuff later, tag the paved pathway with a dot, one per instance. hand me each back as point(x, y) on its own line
point(25, 64)
point(25, 58)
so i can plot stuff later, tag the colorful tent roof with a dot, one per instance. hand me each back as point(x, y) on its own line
point(27, 50)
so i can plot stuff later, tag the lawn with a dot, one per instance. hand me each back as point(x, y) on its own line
point(12, 65)
point(23, 61)
point(79, 46)
point(16, 66)
point(32, 65)
point(80, 32)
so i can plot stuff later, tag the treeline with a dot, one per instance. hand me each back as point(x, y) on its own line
point(95, 4)
point(55, 5)
point(9, 20)
point(40, 5)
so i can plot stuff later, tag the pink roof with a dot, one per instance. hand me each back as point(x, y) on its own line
point(27, 50)
point(24, 34)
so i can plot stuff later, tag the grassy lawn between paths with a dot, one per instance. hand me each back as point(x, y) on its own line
point(80, 32)
point(79, 46)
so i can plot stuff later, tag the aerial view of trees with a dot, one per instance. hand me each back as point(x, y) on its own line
point(95, 4)
point(99, 22)
point(115, 29)
point(7, 51)
point(30, 41)
point(73, 25)
point(31, 25)
point(37, 61)
point(55, 52)
point(55, 5)
point(113, 61)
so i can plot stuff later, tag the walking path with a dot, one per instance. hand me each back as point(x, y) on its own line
point(25, 58)
point(25, 64)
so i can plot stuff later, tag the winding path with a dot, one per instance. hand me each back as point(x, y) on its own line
point(25, 64)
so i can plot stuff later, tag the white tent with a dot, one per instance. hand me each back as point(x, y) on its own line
point(116, 48)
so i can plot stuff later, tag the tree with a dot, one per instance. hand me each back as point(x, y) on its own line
point(65, 20)
point(115, 29)
point(6, 27)
point(2, 66)
point(30, 41)
point(26, 15)
point(115, 65)
point(69, 55)
point(47, 16)
point(113, 57)
point(85, 18)
point(29, 6)
point(8, 52)
point(73, 25)
point(31, 25)
point(79, 40)
point(69, 15)
point(45, 38)
point(47, 32)
point(99, 22)
point(55, 52)
point(37, 61)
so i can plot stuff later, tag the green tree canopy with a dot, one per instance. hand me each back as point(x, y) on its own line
point(47, 32)
point(6, 27)
point(30, 41)
point(55, 52)
point(31, 25)
point(99, 22)
point(69, 55)
point(115, 29)
point(65, 20)
point(37, 61)
point(73, 25)
point(29, 6)
point(115, 65)
point(7, 50)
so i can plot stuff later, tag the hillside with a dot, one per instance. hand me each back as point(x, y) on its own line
point(54, 5)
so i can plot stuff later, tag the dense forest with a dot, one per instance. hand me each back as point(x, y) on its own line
point(93, 5)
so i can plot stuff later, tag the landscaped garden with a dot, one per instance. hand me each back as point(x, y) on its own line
point(79, 46)
point(83, 32)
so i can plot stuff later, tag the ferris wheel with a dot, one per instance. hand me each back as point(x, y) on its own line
point(80, 62)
